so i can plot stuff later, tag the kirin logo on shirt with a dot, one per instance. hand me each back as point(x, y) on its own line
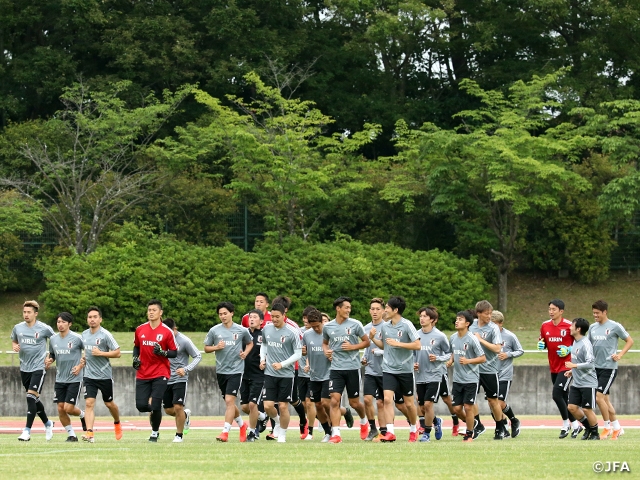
point(563, 333)
point(282, 339)
point(159, 337)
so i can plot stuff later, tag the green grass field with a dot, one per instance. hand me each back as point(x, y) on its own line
point(535, 454)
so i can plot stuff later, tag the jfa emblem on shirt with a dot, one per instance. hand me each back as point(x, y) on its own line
point(433, 341)
point(282, 339)
point(159, 337)
point(70, 345)
point(465, 346)
point(563, 333)
point(37, 334)
point(259, 338)
point(97, 341)
point(484, 335)
point(607, 331)
point(235, 336)
point(348, 331)
point(400, 334)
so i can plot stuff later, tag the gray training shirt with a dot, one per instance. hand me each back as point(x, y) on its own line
point(604, 339)
point(373, 354)
point(278, 345)
point(435, 342)
point(303, 360)
point(584, 375)
point(511, 346)
point(489, 333)
point(467, 346)
point(98, 368)
point(319, 364)
point(397, 359)
point(186, 349)
point(236, 337)
point(33, 344)
point(68, 353)
point(351, 330)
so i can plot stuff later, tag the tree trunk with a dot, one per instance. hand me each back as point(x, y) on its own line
point(502, 289)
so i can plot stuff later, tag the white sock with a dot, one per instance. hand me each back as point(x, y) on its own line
point(616, 425)
point(335, 431)
point(70, 431)
point(566, 424)
point(607, 423)
point(412, 428)
point(239, 421)
point(575, 424)
point(283, 433)
point(81, 413)
point(262, 416)
point(154, 433)
point(227, 427)
point(390, 428)
point(363, 421)
point(277, 420)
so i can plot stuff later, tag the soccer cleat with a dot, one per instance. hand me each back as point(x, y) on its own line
point(154, 438)
point(413, 437)
point(25, 436)
point(421, 431)
point(498, 435)
point(223, 437)
point(388, 437)
point(479, 430)
point(616, 434)
point(593, 434)
point(364, 431)
point(505, 433)
point(48, 431)
point(437, 426)
point(71, 438)
point(377, 439)
point(251, 437)
point(282, 439)
point(117, 428)
point(335, 439)
point(564, 433)
point(271, 436)
point(348, 418)
point(467, 438)
point(576, 431)
point(243, 433)
point(373, 433)
point(308, 438)
point(187, 421)
point(326, 438)
point(304, 430)
point(515, 427)
point(605, 433)
point(425, 437)
point(262, 424)
point(88, 437)
point(84, 424)
point(177, 439)
point(586, 434)
point(455, 430)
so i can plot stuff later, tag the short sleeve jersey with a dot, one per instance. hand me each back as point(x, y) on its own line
point(33, 344)
point(351, 330)
point(68, 353)
point(374, 362)
point(489, 333)
point(397, 359)
point(584, 375)
point(252, 362)
point(303, 360)
point(98, 368)
point(319, 364)
point(467, 346)
point(604, 338)
point(235, 338)
point(186, 349)
point(152, 365)
point(434, 342)
point(511, 346)
point(280, 344)
point(554, 336)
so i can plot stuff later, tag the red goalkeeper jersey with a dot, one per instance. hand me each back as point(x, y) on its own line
point(152, 365)
point(554, 336)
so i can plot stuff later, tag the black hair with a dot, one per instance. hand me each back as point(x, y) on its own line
point(431, 311)
point(93, 308)
point(558, 303)
point(264, 295)
point(228, 305)
point(305, 312)
point(600, 305)
point(66, 316)
point(286, 301)
point(154, 301)
point(340, 300)
point(468, 315)
point(314, 316)
point(582, 325)
point(169, 322)
point(397, 302)
point(279, 307)
point(257, 312)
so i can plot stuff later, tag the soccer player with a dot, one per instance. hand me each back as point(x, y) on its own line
point(65, 348)
point(554, 334)
point(281, 349)
point(343, 338)
point(306, 429)
point(467, 355)
point(488, 334)
point(153, 345)
point(372, 359)
point(261, 303)
point(603, 335)
point(431, 372)
point(582, 395)
point(175, 396)
point(99, 347)
point(232, 343)
point(253, 379)
point(511, 349)
point(29, 339)
point(398, 338)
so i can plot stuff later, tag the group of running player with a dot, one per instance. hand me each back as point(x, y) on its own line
point(270, 363)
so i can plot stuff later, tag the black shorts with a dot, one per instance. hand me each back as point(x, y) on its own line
point(278, 389)
point(153, 388)
point(606, 376)
point(504, 387)
point(583, 397)
point(175, 394)
point(339, 379)
point(91, 387)
point(464, 393)
point(373, 386)
point(444, 386)
point(33, 380)
point(230, 384)
point(560, 381)
point(318, 391)
point(295, 397)
point(303, 387)
point(66, 392)
point(251, 390)
point(428, 392)
point(489, 382)
point(401, 384)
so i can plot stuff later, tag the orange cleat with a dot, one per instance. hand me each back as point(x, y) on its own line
point(243, 433)
point(616, 434)
point(455, 430)
point(388, 437)
point(223, 437)
point(605, 433)
point(364, 431)
point(304, 430)
point(413, 437)
point(335, 439)
point(117, 428)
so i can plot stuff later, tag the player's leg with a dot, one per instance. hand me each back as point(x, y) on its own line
point(297, 401)
point(605, 381)
point(158, 387)
point(90, 393)
point(353, 386)
point(370, 394)
point(167, 401)
point(390, 385)
point(469, 399)
point(336, 387)
point(406, 387)
point(458, 404)
point(70, 394)
point(505, 388)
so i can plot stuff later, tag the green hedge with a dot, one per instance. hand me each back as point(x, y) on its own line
point(135, 265)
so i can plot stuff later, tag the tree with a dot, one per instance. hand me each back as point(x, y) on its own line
point(96, 171)
point(489, 172)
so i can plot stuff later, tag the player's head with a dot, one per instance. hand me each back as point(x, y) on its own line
point(171, 323)
point(376, 309)
point(325, 318)
point(395, 306)
point(556, 308)
point(464, 319)
point(255, 318)
point(286, 301)
point(483, 311)
point(579, 326)
point(154, 310)
point(314, 317)
point(428, 315)
point(342, 306)
point(225, 311)
point(261, 302)
point(30, 310)
point(600, 308)
point(94, 316)
point(305, 314)
point(497, 317)
point(64, 321)
point(278, 311)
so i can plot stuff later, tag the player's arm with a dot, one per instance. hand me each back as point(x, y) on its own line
point(196, 357)
point(376, 341)
point(364, 343)
point(628, 343)
point(415, 345)
point(50, 358)
point(110, 354)
point(15, 346)
point(325, 348)
point(494, 347)
point(136, 357)
point(247, 349)
point(297, 355)
point(473, 361)
point(542, 345)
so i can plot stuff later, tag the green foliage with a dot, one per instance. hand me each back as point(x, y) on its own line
point(135, 265)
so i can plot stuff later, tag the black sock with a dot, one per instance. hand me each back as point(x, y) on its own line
point(327, 428)
point(493, 416)
point(427, 429)
point(585, 422)
point(478, 422)
point(372, 424)
point(40, 411)
point(311, 431)
point(31, 410)
point(156, 420)
point(116, 423)
point(454, 417)
point(178, 435)
point(383, 430)
point(508, 412)
point(272, 421)
point(422, 424)
point(301, 413)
